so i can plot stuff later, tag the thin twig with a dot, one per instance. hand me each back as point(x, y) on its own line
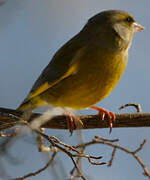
point(137, 106)
point(12, 117)
point(40, 170)
point(112, 157)
point(140, 147)
point(133, 153)
point(79, 159)
point(50, 139)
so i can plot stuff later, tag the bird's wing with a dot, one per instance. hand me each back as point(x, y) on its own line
point(63, 64)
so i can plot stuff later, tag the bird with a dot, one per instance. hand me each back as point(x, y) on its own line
point(86, 68)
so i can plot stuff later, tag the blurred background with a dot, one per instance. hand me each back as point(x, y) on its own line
point(31, 31)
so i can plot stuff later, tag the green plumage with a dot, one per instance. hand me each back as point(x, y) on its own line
point(86, 69)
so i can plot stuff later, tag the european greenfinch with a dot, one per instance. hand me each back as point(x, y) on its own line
point(87, 68)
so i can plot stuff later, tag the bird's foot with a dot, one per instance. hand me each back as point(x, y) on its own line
point(103, 112)
point(73, 121)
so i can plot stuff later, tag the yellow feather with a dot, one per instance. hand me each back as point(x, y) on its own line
point(46, 85)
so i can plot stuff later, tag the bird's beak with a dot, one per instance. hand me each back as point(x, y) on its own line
point(137, 27)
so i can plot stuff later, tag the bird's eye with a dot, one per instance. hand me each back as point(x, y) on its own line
point(129, 19)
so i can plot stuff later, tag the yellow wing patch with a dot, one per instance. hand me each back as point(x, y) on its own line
point(41, 89)
point(46, 85)
point(72, 69)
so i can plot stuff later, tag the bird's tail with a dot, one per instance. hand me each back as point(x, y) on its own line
point(10, 118)
point(25, 105)
point(30, 104)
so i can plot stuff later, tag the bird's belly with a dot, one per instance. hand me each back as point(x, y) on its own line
point(82, 90)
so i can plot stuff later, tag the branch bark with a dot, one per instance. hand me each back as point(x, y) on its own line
point(10, 118)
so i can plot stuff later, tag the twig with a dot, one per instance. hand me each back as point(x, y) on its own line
point(51, 140)
point(79, 153)
point(140, 147)
point(137, 106)
point(112, 157)
point(89, 121)
point(40, 170)
point(79, 159)
point(9, 118)
point(133, 153)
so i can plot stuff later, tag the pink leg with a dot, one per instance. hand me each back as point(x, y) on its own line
point(73, 122)
point(103, 112)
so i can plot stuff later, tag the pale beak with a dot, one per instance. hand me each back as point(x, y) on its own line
point(137, 27)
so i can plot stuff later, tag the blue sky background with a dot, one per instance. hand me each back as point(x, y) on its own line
point(31, 31)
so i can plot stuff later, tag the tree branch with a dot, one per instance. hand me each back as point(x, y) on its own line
point(10, 118)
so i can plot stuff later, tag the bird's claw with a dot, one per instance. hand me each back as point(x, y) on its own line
point(73, 123)
point(103, 112)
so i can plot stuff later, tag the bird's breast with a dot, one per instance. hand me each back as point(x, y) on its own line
point(96, 76)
